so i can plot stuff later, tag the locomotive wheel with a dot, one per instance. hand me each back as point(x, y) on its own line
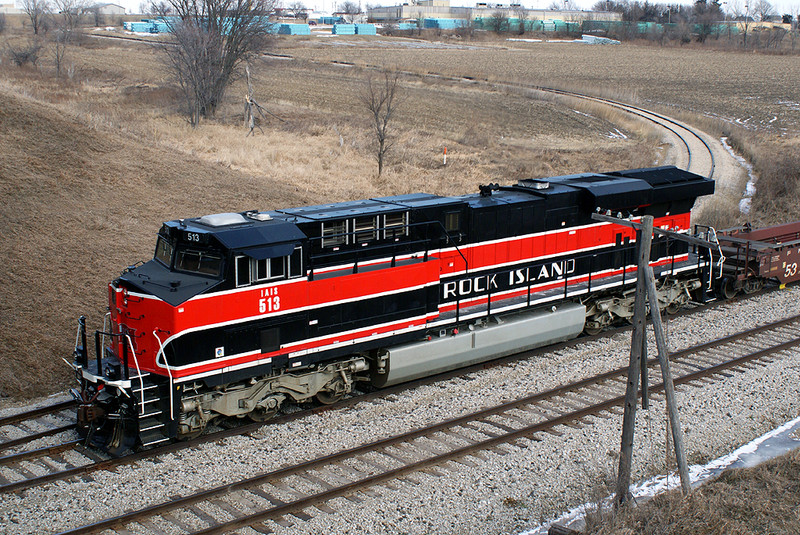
point(595, 328)
point(260, 414)
point(332, 392)
point(728, 289)
point(266, 409)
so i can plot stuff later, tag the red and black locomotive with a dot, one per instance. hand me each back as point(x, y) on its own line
point(238, 313)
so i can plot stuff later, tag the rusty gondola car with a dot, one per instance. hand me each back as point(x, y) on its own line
point(753, 256)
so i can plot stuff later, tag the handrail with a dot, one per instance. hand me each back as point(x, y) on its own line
point(138, 371)
point(166, 365)
point(406, 227)
point(105, 321)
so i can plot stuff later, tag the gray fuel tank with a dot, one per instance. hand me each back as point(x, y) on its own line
point(492, 340)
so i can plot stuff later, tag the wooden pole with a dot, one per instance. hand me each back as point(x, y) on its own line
point(669, 387)
point(639, 318)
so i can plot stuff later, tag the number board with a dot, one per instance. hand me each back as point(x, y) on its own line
point(195, 237)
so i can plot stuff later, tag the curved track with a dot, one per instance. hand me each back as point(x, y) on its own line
point(696, 156)
point(299, 492)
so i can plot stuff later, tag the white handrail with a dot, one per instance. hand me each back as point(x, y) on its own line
point(105, 330)
point(166, 365)
point(138, 371)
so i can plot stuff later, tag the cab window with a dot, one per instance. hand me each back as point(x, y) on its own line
point(164, 252)
point(200, 262)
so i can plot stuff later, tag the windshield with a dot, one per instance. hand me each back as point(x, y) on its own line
point(201, 262)
point(164, 252)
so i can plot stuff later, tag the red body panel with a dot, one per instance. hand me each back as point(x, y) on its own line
point(141, 315)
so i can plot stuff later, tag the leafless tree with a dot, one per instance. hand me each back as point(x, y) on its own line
point(763, 10)
point(743, 15)
point(37, 11)
point(297, 9)
point(98, 19)
point(521, 14)
point(212, 40)
point(60, 41)
point(498, 22)
point(2, 22)
point(381, 99)
point(70, 13)
point(351, 10)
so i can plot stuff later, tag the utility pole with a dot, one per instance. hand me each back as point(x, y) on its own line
point(645, 285)
point(634, 366)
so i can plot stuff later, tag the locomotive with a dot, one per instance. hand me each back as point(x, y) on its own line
point(239, 313)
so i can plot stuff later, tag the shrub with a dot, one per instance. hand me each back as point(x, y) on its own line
point(29, 54)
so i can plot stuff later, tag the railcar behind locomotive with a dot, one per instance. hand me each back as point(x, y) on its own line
point(239, 313)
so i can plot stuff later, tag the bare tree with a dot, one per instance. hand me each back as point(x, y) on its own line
point(297, 9)
point(2, 22)
point(60, 42)
point(763, 10)
point(37, 11)
point(521, 14)
point(212, 39)
point(742, 14)
point(98, 19)
point(69, 13)
point(380, 98)
point(498, 22)
point(351, 10)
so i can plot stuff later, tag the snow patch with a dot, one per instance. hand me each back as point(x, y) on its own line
point(616, 134)
point(777, 442)
point(750, 188)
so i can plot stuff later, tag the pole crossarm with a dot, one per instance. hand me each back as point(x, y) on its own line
point(674, 235)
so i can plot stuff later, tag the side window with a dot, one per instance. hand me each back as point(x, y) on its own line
point(334, 233)
point(242, 271)
point(250, 270)
point(395, 225)
point(296, 263)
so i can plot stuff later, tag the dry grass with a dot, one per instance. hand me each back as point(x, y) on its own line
point(744, 89)
point(755, 501)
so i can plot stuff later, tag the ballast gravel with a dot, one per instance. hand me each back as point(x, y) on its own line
point(505, 490)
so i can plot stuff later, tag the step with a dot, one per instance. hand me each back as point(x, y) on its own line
point(152, 437)
point(149, 424)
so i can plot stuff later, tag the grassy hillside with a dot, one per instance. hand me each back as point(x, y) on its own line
point(78, 205)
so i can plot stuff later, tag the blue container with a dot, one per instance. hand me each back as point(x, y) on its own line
point(294, 29)
point(365, 29)
point(344, 29)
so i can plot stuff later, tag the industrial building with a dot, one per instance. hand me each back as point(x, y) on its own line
point(441, 9)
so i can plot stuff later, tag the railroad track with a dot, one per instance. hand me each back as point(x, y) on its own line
point(29, 467)
point(27, 427)
point(698, 157)
point(299, 492)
